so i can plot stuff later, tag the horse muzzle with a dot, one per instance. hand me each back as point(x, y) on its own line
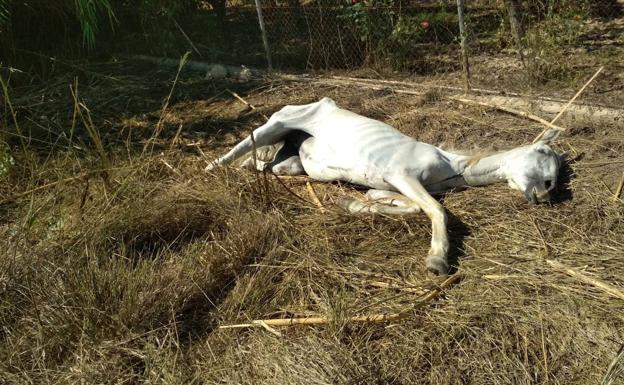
point(534, 197)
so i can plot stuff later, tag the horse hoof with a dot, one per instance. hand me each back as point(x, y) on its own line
point(211, 167)
point(437, 265)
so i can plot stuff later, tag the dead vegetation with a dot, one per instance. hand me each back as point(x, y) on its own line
point(125, 275)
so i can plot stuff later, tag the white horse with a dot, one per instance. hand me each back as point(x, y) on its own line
point(331, 144)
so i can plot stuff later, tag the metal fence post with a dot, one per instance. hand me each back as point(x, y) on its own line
point(265, 40)
point(462, 34)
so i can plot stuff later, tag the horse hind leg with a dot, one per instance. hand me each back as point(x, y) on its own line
point(291, 166)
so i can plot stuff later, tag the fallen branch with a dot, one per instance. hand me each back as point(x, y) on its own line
point(605, 287)
point(373, 318)
point(576, 115)
point(580, 114)
point(346, 82)
point(430, 86)
point(421, 88)
point(569, 103)
point(213, 69)
point(511, 111)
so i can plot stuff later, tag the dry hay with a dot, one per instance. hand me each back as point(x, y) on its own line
point(127, 281)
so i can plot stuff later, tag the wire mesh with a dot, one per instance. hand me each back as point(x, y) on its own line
point(552, 40)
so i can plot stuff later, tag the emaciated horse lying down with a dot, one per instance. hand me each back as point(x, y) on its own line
point(331, 144)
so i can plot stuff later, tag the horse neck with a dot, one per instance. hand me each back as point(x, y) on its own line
point(482, 170)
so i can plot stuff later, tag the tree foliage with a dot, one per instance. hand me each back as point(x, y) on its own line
point(88, 14)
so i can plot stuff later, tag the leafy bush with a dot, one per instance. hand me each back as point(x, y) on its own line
point(62, 28)
point(372, 22)
point(423, 27)
point(151, 23)
point(390, 35)
point(546, 43)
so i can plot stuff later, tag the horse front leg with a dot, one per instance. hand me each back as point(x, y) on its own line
point(437, 258)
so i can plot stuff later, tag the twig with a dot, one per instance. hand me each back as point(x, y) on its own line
point(186, 37)
point(605, 287)
point(163, 110)
point(246, 103)
point(45, 186)
point(297, 178)
point(373, 318)
point(616, 368)
point(386, 285)
point(170, 167)
point(503, 277)
point(513, 111)
point(569, 103)
point(544, 353)
point(315, 197)
point(618, 192)
point(176, 137)
point(279, 179)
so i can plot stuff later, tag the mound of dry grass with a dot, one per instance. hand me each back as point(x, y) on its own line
point(125, 279)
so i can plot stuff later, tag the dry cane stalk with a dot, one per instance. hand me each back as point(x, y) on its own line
point(246, 103)
point(605, 287)
point(386, 285)
point(315, 197)
point(511, 111)
point(618, 192)
point(616, 368)
point(569, 103)
point(373, 318)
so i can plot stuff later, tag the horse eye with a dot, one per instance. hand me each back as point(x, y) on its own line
point(548, 183)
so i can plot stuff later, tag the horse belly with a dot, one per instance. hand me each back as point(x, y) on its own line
point(323, 163)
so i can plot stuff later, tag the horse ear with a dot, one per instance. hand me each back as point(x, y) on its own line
point(550, 136)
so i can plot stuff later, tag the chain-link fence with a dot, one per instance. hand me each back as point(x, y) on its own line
point(545, 37)
point(341, 34)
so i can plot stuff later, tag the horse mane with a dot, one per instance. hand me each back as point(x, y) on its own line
point(473, 156)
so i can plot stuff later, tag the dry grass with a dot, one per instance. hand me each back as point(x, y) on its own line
point(124, 278)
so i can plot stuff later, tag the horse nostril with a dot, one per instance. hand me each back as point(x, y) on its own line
point(543, 197)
